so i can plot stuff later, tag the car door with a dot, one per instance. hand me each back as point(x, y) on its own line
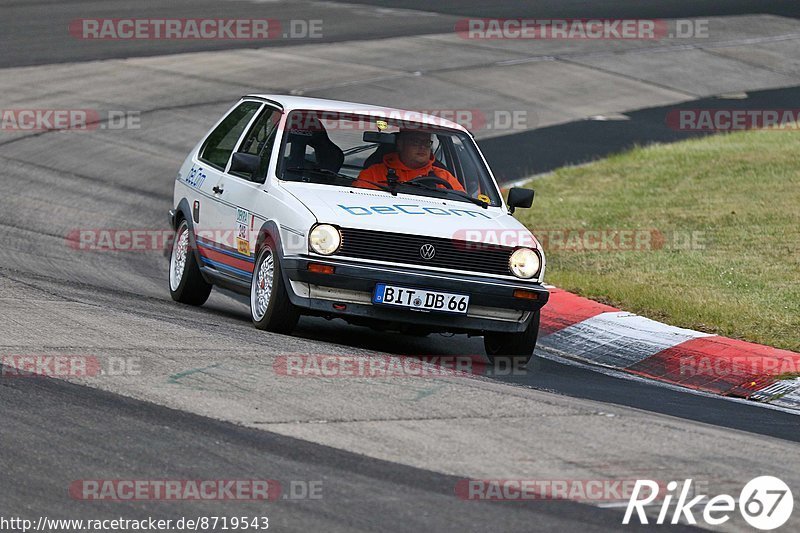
point(245, 191)
point(215, 233)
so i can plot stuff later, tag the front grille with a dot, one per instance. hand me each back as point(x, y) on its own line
point(400, 248)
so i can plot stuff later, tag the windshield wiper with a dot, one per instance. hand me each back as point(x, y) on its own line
point(317, 170)
point(460, 194)
point(332, 174)
point(357, 149)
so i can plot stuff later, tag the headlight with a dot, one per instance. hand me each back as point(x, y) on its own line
point(524, 263)
point(325, 239)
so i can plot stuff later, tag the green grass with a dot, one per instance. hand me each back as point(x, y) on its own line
point(740, 192)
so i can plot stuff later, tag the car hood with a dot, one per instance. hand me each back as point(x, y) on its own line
point(410, 214)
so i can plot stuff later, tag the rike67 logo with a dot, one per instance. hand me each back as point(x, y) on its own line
point(765, 503)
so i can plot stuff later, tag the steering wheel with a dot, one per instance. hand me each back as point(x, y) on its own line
point(431, 180)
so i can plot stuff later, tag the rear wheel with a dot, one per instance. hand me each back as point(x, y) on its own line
point(515, 348)
point(270, 307)
point(186, 283)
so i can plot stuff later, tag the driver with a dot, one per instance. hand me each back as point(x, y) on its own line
point(412, 159)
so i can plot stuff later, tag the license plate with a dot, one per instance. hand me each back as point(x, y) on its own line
point(420, 299)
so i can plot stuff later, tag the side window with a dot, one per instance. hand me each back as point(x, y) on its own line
point(259, 141)
point(220, 144)
point(262, 135)
point(441, 155)
point(469, 169)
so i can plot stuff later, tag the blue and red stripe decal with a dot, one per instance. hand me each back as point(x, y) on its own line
point(226, 259)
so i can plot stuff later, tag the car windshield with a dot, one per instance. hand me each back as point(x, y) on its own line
point(386, 153)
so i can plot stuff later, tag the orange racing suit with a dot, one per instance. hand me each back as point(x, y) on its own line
point(377, 173)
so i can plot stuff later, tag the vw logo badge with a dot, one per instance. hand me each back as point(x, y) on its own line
point(427, 251)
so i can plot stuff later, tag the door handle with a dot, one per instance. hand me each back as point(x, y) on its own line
point(218, 190)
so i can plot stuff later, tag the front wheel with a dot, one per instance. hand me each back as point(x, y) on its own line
point(517, 348)
point(186, 283)
point(270, 307)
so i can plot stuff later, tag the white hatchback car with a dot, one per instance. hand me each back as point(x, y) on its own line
point(318, 207)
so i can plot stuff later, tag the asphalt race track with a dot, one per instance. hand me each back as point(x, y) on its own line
point(205, 401)
point(34, 32)
point(365, 494)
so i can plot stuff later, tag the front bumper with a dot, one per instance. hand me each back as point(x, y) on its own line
point(348, 293)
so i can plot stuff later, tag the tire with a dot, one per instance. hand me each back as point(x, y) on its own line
point(186, 283)
point(270, 307)
point(516, 348)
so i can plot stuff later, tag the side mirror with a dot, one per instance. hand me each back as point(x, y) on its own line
point(519, 197)
point(245, 164)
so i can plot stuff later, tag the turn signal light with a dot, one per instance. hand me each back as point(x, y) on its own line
point(320, 269)
point(525, 295)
